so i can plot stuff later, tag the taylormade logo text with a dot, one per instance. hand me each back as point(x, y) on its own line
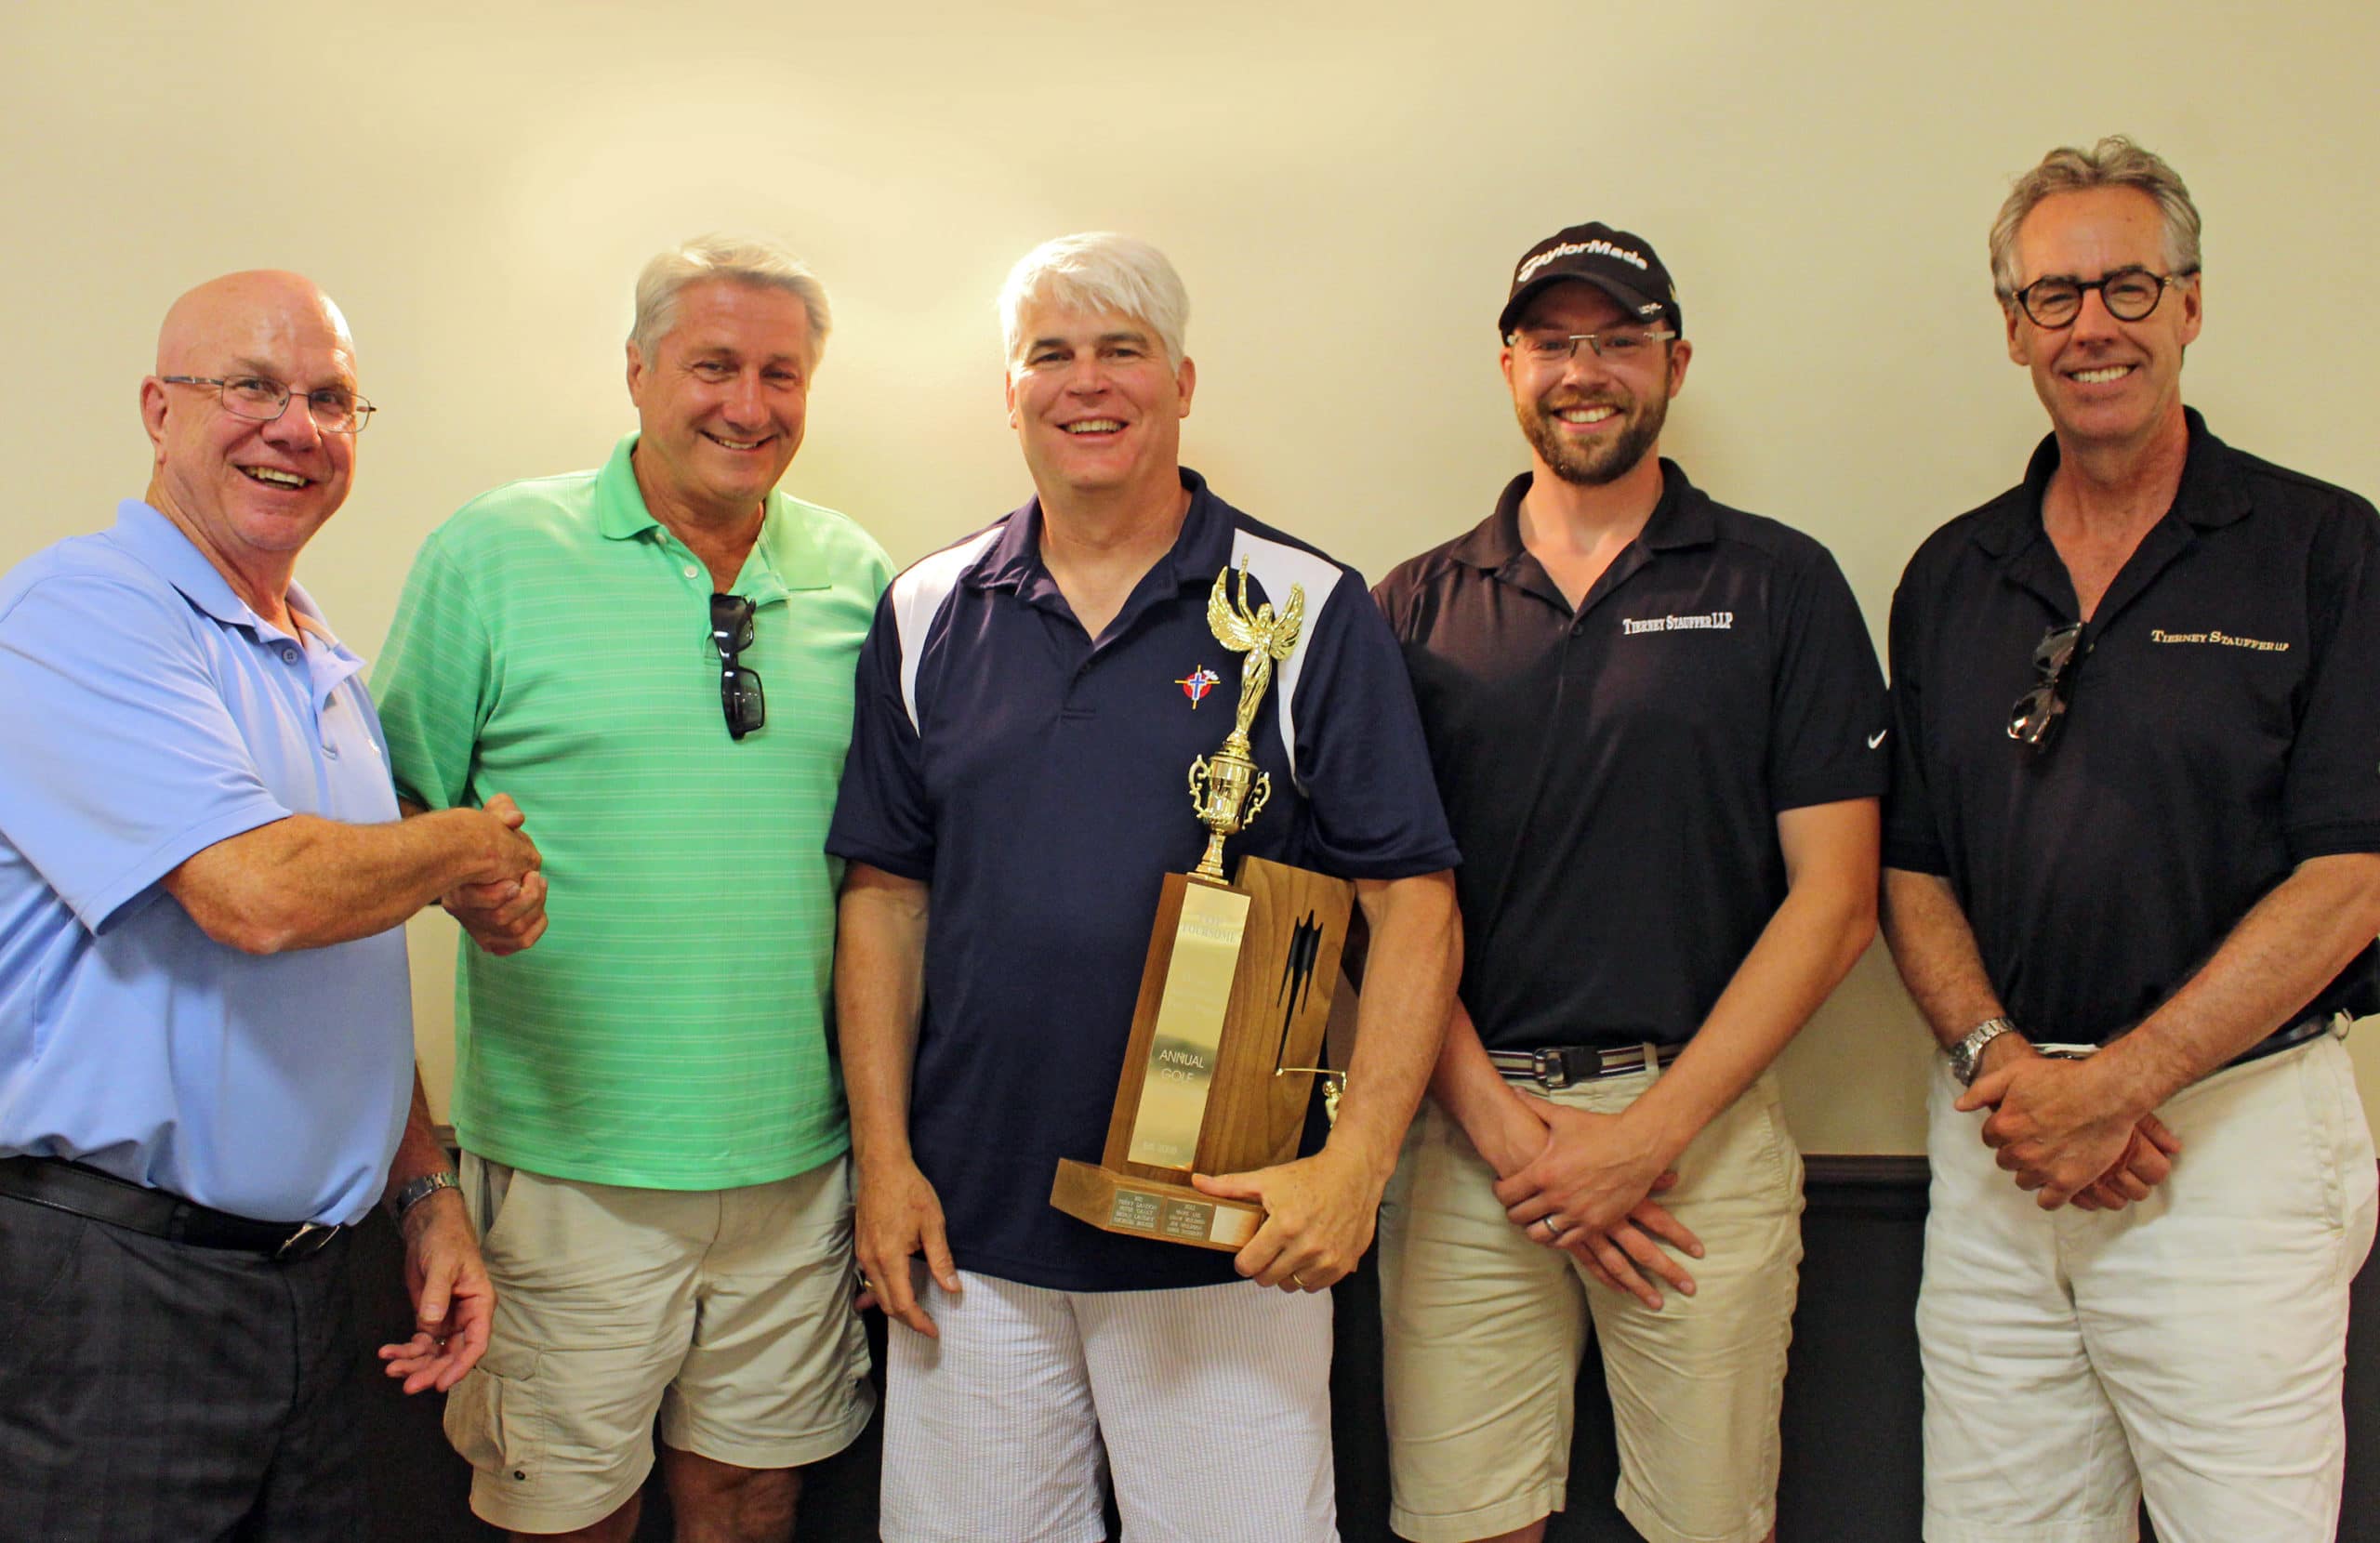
point(1573, 249)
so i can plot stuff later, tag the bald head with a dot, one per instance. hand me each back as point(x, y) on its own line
point(250, 489)
point(237, 304)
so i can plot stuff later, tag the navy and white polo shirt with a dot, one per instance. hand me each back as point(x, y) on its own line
point(1039, 783)
point(2223, 726)
point(1614, 773)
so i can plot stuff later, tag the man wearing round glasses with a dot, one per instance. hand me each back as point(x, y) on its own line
point(205, 1019)
point(652, 1127)
point(2133, 881)
point(1656, 721)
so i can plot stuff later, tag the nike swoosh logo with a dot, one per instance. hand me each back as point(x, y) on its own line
point(1877, 738)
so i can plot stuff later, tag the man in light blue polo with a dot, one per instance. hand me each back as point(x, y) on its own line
point(206, 1036)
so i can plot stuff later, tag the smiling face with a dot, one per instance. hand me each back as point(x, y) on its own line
point(2105, 382)
point(249, 494)
point(723, 400)
point(1096, 406)
point(1591, 421)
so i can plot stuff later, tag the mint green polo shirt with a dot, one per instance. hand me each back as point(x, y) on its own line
point(553, 643)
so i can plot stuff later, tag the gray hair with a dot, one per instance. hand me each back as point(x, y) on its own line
point(740, 260)
point(1097, 271)
point(2114, 161)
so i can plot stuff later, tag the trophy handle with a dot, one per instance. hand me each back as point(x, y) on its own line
point(1256, 798)
point(1198, 784)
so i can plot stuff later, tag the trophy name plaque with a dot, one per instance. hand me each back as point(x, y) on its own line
point(1234, 996)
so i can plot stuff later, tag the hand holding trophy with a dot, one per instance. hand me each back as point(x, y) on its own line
point(1234, 998)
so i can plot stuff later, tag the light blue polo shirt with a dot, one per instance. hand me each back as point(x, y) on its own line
point(147, 713)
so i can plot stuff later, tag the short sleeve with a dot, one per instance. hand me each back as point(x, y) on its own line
point(1912, 840)
point(881, 815)
point(1828, 722)
point(2331, 799)
point(119, 758)
point(432, 682)
point(1360, 753)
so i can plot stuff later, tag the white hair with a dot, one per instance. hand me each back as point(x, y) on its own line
point(738, 259)
point(1097, 271)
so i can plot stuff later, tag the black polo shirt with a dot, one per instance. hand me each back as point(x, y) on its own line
point(2224, 727)
point(1614, 774)
point(1039, 783)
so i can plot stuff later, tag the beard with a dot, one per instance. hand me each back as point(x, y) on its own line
point(1604, 461)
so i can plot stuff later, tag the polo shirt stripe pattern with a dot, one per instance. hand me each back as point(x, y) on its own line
point(553, 643)
point(1037, 781)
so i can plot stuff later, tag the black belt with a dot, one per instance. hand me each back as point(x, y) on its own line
point(85, 1192)
point(2272, 1044)
point(1560, 1065)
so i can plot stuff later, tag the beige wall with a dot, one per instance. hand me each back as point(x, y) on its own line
point(1343, 189)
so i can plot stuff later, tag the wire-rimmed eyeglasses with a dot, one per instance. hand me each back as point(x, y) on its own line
point(262, 398)
point(1613, 348)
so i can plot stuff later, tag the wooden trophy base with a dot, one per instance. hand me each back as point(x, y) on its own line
point(1152, 1207)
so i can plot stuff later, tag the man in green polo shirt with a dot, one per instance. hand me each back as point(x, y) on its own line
point(656, 660)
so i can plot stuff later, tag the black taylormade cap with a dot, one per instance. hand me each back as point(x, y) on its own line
point(1620, 264)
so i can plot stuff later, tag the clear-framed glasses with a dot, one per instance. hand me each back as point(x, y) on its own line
point(1632, 345)
point(2130, 294)
point(2034, 717)
point(334, 409)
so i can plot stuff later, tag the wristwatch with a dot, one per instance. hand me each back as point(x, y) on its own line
point(415, 1191)
point(1967, 1054)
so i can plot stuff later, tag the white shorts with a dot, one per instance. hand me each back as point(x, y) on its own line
point(2191, 1348)
point(1484, 1330)
point(728, 1311)
point(1213, 1403)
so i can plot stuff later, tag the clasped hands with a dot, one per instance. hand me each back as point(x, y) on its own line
point(1584, 1184)
point(504, 916)
point(2068, 1130)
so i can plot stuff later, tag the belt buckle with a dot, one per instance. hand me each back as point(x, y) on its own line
point(311, 1237)
point(1548, 1067)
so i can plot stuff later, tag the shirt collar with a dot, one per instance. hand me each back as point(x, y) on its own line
point(787, 549)
point(1201, 549)
point(2213, 492)
point(162, 547)
point(1682, 518)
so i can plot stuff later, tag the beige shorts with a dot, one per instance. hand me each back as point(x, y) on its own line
point(728, 1311)
point(1484, 1331)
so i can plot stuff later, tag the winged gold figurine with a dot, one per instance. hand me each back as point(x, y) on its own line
point(1260, 638)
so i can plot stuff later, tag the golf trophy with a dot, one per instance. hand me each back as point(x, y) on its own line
point(1234, 998)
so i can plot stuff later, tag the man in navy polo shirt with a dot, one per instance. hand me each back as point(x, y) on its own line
point(205, 1034)
point(1657, 722)
point(2134, 906)
point(1012, 800)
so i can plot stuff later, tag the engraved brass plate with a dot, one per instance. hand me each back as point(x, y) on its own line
point(1187, 1219)
point(1134, 1210)
point(1189, 1027)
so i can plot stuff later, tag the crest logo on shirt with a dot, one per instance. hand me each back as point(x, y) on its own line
point(1197, 683)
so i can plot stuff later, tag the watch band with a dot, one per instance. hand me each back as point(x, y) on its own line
point(1967, 1054)
point(415, 1191)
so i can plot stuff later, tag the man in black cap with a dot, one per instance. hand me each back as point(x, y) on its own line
point(1657, 723)
point(2137, 908)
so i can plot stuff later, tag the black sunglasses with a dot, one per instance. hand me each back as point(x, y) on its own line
point(740, 696)
point(2034, 717)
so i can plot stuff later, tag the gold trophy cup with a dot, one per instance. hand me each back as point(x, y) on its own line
point(1234, 998)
